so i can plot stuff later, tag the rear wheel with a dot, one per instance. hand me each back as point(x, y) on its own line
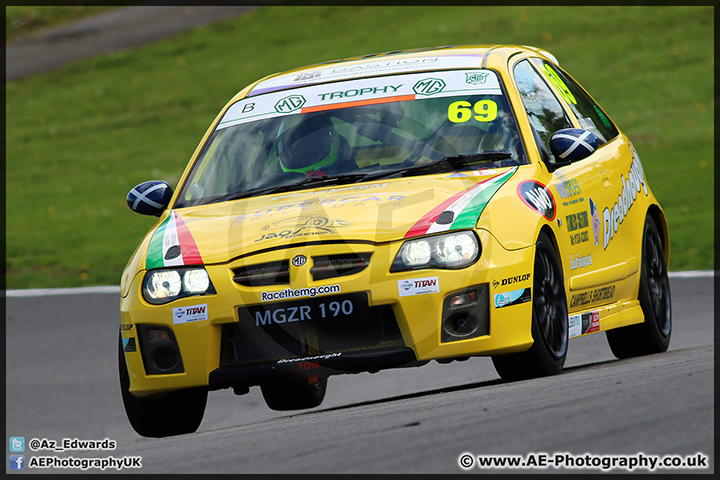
point(653, 335)
point(294, 393)
point(549, 321)
point(172, 413)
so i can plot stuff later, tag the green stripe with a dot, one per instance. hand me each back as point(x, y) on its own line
point(470, 214)
point(154, 257)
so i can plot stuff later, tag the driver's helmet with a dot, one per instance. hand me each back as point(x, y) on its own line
point(310, 144)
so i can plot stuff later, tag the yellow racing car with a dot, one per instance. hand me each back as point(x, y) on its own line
point(385, 211)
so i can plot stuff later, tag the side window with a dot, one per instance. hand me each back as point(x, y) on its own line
point(589, 114)
point(543, 109)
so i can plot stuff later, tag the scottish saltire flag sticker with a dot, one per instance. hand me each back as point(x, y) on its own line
point(172, 245)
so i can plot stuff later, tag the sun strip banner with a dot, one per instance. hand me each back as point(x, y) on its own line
point(384, 66)
point(172, 245)
point(363, 91)
point(466, 207)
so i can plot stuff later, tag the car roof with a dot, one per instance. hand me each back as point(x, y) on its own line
point(399, 61)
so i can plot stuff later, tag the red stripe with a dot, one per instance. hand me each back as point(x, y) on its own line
point(374, 101)
point(422, 225)
point(190, 252)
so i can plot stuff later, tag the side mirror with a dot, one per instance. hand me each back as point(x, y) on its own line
point(150, 198)
point(572, 144)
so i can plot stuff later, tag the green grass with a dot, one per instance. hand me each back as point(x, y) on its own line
point(80, 138)
point(22, 20)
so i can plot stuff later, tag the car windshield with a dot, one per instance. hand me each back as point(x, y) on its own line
point(355, 131)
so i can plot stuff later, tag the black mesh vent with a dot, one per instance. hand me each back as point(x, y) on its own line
point(159, 350)
point(265, 274)
point(329, 266)
point(470, 318)
point(244, 343)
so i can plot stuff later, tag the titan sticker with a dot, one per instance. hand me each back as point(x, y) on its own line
point(418, 286)
point(193, 313)
point(515, 297)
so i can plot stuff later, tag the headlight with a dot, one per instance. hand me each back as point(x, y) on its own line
point(452, 250)
point(163, 286)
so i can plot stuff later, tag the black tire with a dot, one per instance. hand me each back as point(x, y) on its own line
point(549, 321)
point(293, 393)
point(653, 335)
point(173, 413)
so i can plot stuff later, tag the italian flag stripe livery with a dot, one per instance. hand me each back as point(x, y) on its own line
point(466, 207)
point(172, 245)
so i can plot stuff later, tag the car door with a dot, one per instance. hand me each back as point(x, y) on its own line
point(603, 255)
point(580, 189)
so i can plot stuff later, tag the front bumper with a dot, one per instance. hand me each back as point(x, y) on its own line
point(418, 318)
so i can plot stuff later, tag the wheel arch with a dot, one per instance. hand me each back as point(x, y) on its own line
point(547, 230)
point(658, 217)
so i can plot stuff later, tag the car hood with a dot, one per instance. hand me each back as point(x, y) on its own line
point(370, 212)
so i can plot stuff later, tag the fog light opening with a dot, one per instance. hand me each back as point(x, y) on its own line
point(165, 358)
point(461, 324)
point(463, 299)
point(157, 334)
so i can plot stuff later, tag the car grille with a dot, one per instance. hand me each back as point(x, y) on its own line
point(248, 344)
point(330, 266)
point(265, 274)
point(324, 267)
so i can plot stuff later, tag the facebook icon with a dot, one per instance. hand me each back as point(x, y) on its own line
point(17, 462)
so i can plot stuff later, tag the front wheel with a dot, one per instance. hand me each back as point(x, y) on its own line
point(653, 335)
point(549, 321)
point(173, 413)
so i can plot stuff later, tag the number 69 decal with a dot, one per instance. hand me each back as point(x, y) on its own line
point(485, 111)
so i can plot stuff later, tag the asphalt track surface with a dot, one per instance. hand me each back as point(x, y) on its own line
point(108, 32)
point(62, 383)
point(61, 368)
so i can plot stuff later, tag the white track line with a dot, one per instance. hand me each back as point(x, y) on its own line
point(43, 292)
point(692, 274)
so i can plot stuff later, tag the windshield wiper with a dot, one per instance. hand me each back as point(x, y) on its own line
point(305, 182)
point(455, 162)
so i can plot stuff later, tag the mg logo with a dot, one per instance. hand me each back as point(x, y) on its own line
point(429, 86)
point(289, 104)
point(476, 78)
